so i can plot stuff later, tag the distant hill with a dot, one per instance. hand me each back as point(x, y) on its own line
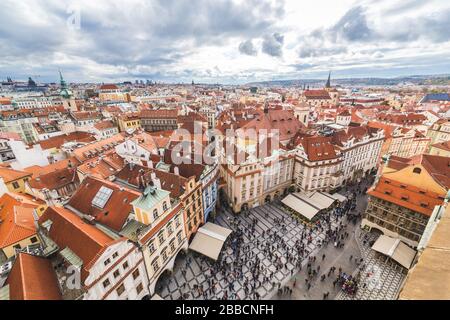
point(443, 79)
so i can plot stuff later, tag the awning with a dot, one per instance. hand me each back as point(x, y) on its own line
point(395, 249)
point(321, 199)
point(299, 205)
point(404, 255)
point(338, 197)
point(209, 240)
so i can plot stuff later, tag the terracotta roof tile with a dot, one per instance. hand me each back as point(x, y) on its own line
point(116, 210)
point(33, 278)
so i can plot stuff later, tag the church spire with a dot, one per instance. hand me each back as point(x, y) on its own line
point(62, 81)
point(64, 90)
point(328, 84)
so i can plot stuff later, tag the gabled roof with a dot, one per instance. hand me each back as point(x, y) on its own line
point(160, 114)
point(134, 174)
point(108, 87)
point(442, 145)
point(102, 166)
point(17, 219)
point(58, 141)
point(283, 121)
point(86, 240)
point(37, 170)
point(318, 148)
point(316, 94)
point(10, 175)
point(55, 179)
point(98, 147)
point(33, 278)
point(104, 125)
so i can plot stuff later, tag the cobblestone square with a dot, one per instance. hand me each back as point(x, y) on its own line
point(237, 281)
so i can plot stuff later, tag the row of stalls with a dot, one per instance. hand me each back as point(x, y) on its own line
point(309, 205)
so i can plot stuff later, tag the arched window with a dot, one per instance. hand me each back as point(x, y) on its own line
point(164, 206)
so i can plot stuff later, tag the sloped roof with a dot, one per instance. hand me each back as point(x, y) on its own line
point(84, 239)
point(17, 220)
point(10, 175)
point(33, 278)
point(58, 141)
point(116, 210)
point(55, 179)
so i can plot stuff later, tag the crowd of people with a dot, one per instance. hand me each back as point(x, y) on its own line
point(240, 266)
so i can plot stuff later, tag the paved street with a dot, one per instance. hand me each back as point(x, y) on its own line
point(273, 243)
point(334, 257)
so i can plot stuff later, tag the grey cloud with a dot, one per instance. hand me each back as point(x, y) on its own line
point(247, 47)
point(307, 51)
point(273, 45)
point(353, 26)
point(157, 33)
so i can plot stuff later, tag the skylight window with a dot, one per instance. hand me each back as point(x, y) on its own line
point(102, 197)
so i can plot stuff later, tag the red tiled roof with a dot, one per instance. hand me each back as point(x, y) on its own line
point(408, 197)
point(10, 175)
point(109, 87)
point(319, 148)
point(116, 210)
point(37, 171)
point(33, 278)
point(160, 114)
point(316, 94)
point(84, 239)
point(17, 219)
point(282, 120)
point(58, 141)
point(102, 125)
point(55, 180)
point(442, 145)
point(102, 166)
point(83, 153)
point(10, 136)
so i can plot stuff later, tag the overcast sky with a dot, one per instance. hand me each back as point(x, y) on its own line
point(224, 41)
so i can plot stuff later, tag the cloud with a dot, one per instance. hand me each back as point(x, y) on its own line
point(118, 35)
point(273, 45)
point(308, 51)
point(353, 26)
point(247, 47)
point(177, 40)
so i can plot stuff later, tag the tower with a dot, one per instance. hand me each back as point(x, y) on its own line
point(328, 84)
point(64, 90)
point(266, 107)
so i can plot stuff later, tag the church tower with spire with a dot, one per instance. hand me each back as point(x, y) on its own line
point(334, 94)
point(64, 90)
point(66, 94)
point(328, 84)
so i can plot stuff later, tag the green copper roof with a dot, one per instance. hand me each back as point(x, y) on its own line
point(150, 198)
